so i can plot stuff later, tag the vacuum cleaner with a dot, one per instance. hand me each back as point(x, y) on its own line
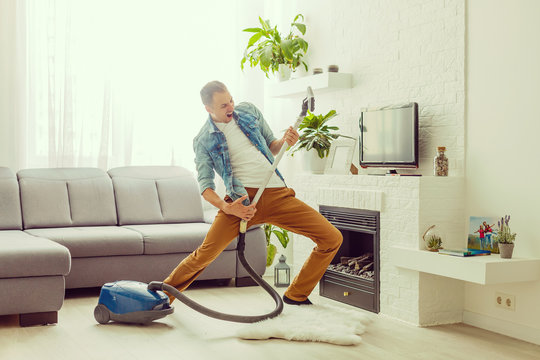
point(136, 302)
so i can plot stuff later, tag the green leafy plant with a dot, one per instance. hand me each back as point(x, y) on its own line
point(504, 235)
point(268, 48)
point(315, 134)
point(283, 237)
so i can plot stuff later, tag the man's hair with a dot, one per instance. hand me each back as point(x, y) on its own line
point(208, 91)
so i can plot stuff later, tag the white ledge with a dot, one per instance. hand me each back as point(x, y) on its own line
point(490, 269)
point(319, 83)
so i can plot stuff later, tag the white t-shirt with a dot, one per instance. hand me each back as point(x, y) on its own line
point(249, 165)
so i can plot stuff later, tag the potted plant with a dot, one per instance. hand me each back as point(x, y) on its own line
point(505, 238)
point(271, 250)
point(272, 51)
point(316, 138)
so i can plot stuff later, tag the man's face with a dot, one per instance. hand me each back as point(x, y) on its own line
point(222, 107)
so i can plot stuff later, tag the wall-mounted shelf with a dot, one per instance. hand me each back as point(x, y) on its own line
point(319, 83)
point(483, 270)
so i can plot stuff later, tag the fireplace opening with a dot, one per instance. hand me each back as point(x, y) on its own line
point(353, 275)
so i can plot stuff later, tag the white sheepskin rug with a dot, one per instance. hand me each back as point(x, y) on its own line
point(323, 323)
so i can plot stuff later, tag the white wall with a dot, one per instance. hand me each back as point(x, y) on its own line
point(503, 124)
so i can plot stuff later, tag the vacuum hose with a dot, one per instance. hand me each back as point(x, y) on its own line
point(157, 285)
point(308, 103)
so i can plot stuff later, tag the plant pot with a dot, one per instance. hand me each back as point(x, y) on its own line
point(284, 73)
point(506, 250)
point(313, 163)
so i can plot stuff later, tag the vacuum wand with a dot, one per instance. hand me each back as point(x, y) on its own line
point(308, 103)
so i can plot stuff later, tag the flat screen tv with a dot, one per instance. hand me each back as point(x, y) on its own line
point(389, 137)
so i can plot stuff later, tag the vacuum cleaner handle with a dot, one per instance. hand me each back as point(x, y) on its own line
point(308, 102)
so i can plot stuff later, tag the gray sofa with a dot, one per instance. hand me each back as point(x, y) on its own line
point(82, 227)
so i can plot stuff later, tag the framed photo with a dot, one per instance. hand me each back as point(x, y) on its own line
point(481, 233)
point(340, 156)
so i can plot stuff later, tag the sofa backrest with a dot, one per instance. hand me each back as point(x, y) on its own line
point(60, 197)
point(156, 195)
point(10, 203)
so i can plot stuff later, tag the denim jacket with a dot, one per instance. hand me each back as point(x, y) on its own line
point(212, 152)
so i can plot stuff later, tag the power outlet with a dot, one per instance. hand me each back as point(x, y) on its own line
point(505, 301)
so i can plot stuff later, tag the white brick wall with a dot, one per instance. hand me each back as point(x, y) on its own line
point(407, 206)
point(398, 51)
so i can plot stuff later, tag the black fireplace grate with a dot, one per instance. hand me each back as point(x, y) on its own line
point(351, 220)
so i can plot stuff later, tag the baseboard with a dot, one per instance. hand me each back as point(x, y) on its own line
point(518, 331)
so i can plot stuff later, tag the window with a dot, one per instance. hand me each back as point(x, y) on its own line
point(116, 83)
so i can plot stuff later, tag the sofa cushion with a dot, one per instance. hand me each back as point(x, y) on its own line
point(10, 204)
point(24, 255)
point(156, 195)
point(174, 238)
point(89, 241)
point(60, 197)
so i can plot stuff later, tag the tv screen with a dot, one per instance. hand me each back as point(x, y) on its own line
point(389, 137)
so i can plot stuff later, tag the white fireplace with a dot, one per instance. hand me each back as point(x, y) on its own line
point(408, 205)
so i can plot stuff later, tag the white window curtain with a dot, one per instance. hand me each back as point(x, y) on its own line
point(116, 82)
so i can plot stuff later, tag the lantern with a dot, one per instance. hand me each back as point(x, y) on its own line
point(282, 273)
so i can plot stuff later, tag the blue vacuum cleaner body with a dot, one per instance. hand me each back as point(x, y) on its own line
point(131, 302)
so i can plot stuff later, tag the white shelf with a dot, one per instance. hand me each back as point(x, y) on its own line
point(319, 83)
point(483, 270)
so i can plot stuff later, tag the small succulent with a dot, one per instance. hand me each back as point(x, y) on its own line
point(434, 242)
point(432, 238)
point(504, 235)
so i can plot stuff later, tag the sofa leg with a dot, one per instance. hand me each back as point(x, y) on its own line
point(41, 318)
point(244, 281)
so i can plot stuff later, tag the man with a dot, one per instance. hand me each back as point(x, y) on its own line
point(238, 144)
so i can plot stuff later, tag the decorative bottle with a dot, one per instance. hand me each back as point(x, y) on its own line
point(440, 162)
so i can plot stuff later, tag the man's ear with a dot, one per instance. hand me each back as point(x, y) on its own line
point(208, 109)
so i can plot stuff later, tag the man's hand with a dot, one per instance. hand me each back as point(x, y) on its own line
point(238, 209)
point(290, 136)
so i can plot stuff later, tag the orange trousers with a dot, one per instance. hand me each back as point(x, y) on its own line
point(280, 207)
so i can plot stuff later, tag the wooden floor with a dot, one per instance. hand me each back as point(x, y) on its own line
point(189, 335)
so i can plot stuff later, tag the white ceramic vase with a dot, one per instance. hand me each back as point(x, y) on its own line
point(314, 163)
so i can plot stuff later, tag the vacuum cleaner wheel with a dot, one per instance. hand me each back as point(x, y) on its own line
point(102, 314)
